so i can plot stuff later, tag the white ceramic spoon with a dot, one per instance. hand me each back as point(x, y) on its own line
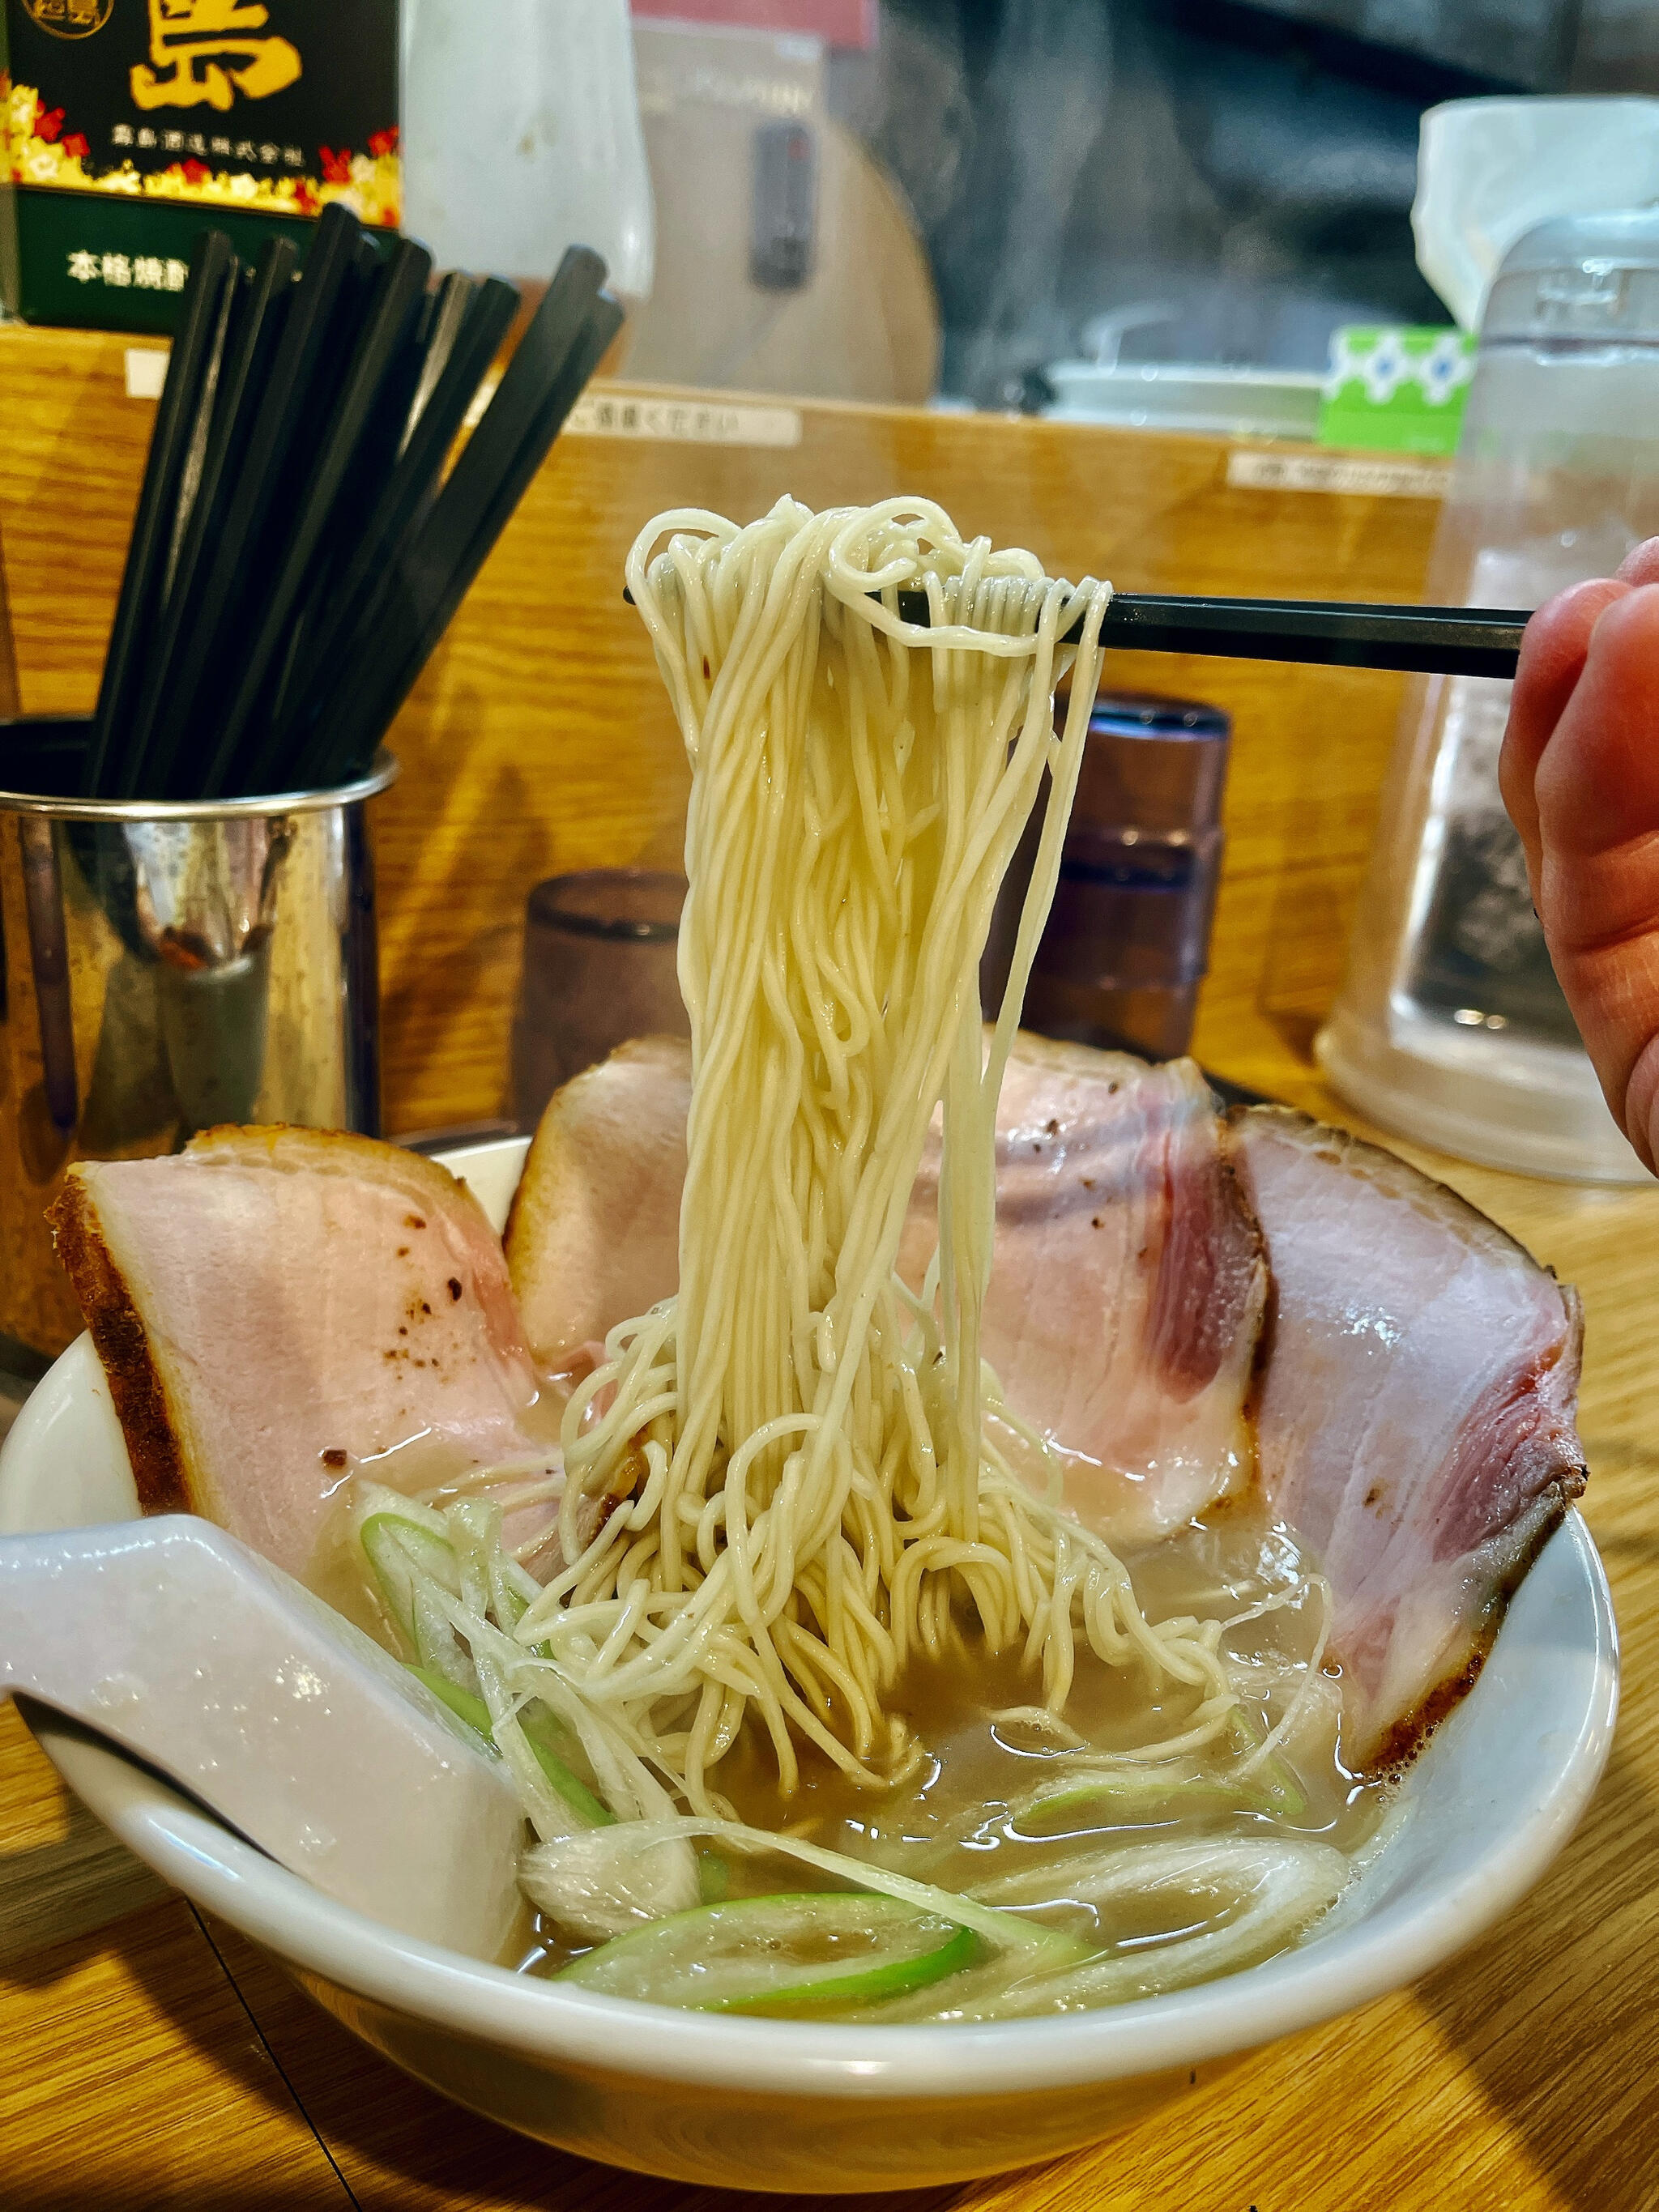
point(185, 1648)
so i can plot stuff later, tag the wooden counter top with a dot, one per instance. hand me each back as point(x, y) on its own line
point(151, 2060)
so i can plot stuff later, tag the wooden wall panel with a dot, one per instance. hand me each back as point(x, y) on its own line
point(539, 739)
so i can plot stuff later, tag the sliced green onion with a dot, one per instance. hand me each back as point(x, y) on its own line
point(436, 1645)
point(1279, 1784)
point(1130, 1789)
point(780, 1954)
point(400, 1550)
point(574, 1791)
point(591, 1811)
point(1230, 1902)
point(1043, 1947)
point(462, 1703)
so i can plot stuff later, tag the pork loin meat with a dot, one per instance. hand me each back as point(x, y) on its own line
point(594, 1236)
point(277, 1308)
point(1126, 1295)
point(1415, 1425)
point(1128, 1282)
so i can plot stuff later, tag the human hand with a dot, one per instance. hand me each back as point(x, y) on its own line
point(1579, 774)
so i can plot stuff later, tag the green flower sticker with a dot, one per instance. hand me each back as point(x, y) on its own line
point(1395, 389)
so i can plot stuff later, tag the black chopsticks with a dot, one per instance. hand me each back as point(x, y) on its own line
point(1329, 633)
point(566, 338)
point(172, 477)
point(1319, 632)
point(256, 320)
point(298, 549)
point(397, 295)
point(471, 323)
point(235, 578)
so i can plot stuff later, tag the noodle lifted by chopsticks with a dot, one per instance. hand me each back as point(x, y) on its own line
point(795, 1437)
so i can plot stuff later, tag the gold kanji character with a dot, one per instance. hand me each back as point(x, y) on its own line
point(211, 50)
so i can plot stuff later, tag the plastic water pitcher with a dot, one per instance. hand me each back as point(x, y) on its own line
point(1451, 1027)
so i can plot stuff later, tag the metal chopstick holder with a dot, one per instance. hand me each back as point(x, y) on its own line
point(168, 966)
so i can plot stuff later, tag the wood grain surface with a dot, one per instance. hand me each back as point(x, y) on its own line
point(151, 2062)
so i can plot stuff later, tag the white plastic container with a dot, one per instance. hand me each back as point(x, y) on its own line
point(1451, 1027)
point(522, 137)
point(1169, 395)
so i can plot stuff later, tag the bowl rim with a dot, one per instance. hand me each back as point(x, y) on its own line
point(496, 2006)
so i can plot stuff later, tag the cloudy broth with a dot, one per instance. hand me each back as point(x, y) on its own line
point(996, 1793)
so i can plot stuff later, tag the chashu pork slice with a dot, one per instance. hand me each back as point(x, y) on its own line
point(1127, 1285)
point(1415, 1423)
point(594, 1236)
point(277, 1309)
point(1126, 1291)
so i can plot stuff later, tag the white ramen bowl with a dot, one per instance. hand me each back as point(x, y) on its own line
point(794, 2105)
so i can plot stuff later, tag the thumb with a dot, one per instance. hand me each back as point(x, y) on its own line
point(1595, 789)
point(1553, 655)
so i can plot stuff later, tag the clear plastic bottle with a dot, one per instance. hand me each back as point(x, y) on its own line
point(1451, 1027)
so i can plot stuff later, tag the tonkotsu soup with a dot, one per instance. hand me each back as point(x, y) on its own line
point(1162, 1876)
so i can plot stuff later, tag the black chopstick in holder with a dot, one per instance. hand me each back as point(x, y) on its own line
point(300, 362)
point(449, 308)
point(298, 550)
point(366, 477)
point(1330, 633)
point(236, 763)
point(591, 341)
point(335, 618)
point(190, 481)
point(186, 400)
point(565, 340)
point(257, 317)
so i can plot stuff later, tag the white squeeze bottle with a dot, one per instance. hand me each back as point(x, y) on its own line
point(1451, 1027)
